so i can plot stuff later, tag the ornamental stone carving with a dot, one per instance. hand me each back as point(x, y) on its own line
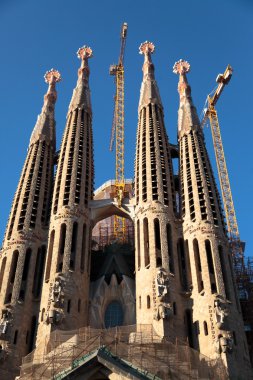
point(54, 317)
point(5, 321)
point(221, 310)
point(57, 292)
point(164, 311)
point(224, 343)
point(163, 282)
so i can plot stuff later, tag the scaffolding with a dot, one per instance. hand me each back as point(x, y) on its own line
point(107, 236)
point(136, 347)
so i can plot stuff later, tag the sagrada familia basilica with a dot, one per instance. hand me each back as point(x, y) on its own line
point(162, 304)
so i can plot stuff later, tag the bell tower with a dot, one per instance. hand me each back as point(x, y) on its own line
point(66, 280)
point(24, 246)
point(215, 318)
point(156, 228)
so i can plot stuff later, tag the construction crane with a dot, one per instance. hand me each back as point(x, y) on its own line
point(237, 247)
point(117, 132)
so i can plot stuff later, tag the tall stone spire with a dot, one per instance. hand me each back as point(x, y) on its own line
point(149, 89)
point(66, 280)
point(187, 113)
point(45, 125)
point(24, 247)
point(214, 303)
point(155, 226)
point(81, 94)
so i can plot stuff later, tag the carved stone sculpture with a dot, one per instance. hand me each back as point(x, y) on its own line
point(224, 343)
point(54, 317)
point(163, 282)
point(221, 311)
point(5, 321)
point(58, 294)
point(163, 311)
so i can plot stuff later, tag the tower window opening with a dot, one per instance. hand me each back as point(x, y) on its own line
point(70, 160)
point(8, 298)
point(49, 258)
point(83, 248)
point(38, 187)
point(79, 164)
point(182, 264)
point(163, 160)
point(14, 266)
point(170, 248)
point(39, 270)
point(209, 178)
point(2, 271)
point(60, 167)
point(139, 302)
point(148, 302)
point(68, 306)
point(189, 180)
point(46, 205)
point(198, 265)
point(62, 239)
point(25, 274)
point(89, 164)
point(205, 328)
point(79, 306)
point(137, 165)
point(153, 156)
point(182, 176)
point(157, 242)
point(189, 326)
point(209, 256)
point(73, 246)
point(223, 270)
point(32, 335)
point(15, 339)
point(146, 242)
point(138, 245)
point(28, 188)
point(144, 173)
point(14, 212)
point(174, 306)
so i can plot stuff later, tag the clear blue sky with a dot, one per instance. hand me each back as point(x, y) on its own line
point(38, 35)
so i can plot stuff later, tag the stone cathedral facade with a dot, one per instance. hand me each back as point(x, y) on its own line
point(177, 281)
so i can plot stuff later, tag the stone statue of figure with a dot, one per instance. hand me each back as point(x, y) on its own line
point(163, 311)
point(221, 311)
point(4, 321)
point(224, 343)
point(57, 291)
point(162, 280)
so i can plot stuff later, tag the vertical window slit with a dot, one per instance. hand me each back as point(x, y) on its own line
point(73, 246)
point(146, 242)
point(83, 253)
point(50, 253)
point(170, 248)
